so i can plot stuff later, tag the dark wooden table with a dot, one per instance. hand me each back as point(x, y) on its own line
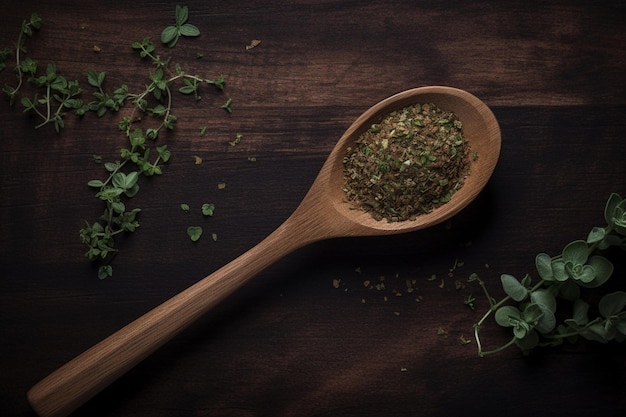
point(290, 343)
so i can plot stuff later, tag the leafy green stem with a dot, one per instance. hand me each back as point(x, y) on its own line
point(530, 310)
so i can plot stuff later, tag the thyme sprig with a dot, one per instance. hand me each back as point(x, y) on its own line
point(530, 308)
point(23, 65)
point(155, 102)
point(54, 96)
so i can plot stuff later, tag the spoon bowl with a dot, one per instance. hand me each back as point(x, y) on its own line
point(480, 129)
point(323, 213)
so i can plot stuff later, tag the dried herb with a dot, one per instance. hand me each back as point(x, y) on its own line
point(411, 162)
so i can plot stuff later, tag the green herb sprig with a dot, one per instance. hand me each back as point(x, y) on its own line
point(142, 156)
point(172, 33)
point(59, 95)
point(23, 66)
point(530, 308)
point(155, 101)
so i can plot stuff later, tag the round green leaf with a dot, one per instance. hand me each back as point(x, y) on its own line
point(532, 313)
point(543, 263)
point(513, 287)
point(603, 269)
point(547, 322)
point(194, 232)
point(576, 252)
point(528, 342)
point(612, 303)
point(507, 316)
point(558, 269)
point(544, 298)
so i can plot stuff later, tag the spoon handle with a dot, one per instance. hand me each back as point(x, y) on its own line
point(80, 379)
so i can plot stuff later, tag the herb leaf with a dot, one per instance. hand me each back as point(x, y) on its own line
point(194, 232)
point(189, 30)
point(169, 34)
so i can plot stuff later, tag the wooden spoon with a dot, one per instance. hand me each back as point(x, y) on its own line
point(323, 214)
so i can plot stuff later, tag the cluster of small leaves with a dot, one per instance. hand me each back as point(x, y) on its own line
point(59, 95)
point(195, 232)
point(55, 96)
point(154, 102)
point(171, 33)
point(23, 66)
point(533, 318)
point(99, 236)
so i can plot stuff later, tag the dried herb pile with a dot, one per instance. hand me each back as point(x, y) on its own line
point(410, 163)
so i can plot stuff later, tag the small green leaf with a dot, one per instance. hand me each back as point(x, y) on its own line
point(580, 311)
point(612, 304)
point(532, 313)
point(187, 89)
point(185, 207)
point(131, 179)
point(118, 207)
point(529, 341)
point(194, 232)
point(208, 209)
point(92, 79)
point(513, 288)
point(611, 205)
point(152, 134)
point(603, 269)
point(110, 166)
point(95, 183)
point(558, 268)
point(105, 271)
point(164, 153)
point(596, 235)
point(547, 322)
point(576, 252)
point(169, 34)
point(181, 14)
point(544, 298)
point(543, 263)
point(507, 316)
point(189, 30)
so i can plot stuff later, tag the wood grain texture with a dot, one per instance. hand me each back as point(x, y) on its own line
point(288, 343)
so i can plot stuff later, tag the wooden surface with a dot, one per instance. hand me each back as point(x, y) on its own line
point(289, 343)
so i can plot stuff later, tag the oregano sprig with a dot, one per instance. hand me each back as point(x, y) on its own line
point(530, 309)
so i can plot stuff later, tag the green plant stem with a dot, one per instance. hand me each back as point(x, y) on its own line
point(483, 353)
point(493, 306)
point(18, 64)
